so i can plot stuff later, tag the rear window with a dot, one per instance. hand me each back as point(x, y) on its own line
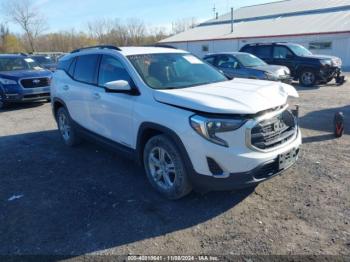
point(85, 68)
point(248, 49)
point(263, 51)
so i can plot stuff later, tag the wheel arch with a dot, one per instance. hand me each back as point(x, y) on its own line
point(302, 68)
point(148, 130)
point(56, 104)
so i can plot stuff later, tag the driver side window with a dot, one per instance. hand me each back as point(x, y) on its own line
point(228, 62)
point(111, 69)
point(281, 52)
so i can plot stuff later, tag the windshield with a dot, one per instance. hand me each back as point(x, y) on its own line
point(299, 50)
point(44, 60)
point(18, 63)
point(174, 70)
point(248, 60)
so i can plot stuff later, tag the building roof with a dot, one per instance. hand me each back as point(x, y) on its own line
point(284, 18)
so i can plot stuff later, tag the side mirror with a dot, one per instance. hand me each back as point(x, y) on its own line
point(289, 56)
point(117, 86)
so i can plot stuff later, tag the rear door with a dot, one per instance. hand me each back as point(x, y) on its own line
point(264, 52)
point(81, 91)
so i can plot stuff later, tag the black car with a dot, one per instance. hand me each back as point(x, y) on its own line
point(309, 69)
point(244, 65)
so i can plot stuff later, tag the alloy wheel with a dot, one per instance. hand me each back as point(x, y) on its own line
point(162, 168)
point(308, 78)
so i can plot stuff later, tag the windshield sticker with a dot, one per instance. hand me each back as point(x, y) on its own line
point(29, 60)
point(192, 59)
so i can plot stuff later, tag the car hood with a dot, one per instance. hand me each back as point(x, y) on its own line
point(274, 69)
point(238, 96)
point(17, 74)
point(321, 57)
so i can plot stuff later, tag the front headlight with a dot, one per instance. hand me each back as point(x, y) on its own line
point(209, 127)
point(270, 76)
point(5, 81)
point(326, 62)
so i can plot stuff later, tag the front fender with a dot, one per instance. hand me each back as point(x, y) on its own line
point(289, 90)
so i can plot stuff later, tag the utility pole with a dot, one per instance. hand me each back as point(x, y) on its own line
point(232, 20)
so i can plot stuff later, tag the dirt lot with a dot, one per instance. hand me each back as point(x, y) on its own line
point(89, 200)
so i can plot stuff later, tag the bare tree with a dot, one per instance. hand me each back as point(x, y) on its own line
point(136, 30)
point(23, 13)
point(182, 25)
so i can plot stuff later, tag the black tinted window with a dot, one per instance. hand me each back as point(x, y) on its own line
point(64, 64)
point(85, 68)
point(72, 67)
point(263, 51)
point(111, 70)
point(248, 49)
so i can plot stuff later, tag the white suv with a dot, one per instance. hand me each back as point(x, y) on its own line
point(188, 125)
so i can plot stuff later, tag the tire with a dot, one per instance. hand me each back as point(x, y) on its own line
point(165, 168)
point(2, 104)
point(307, 78)
point(65, 126)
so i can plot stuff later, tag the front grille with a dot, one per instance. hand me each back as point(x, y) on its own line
point(35, 82)
point(275, 131)
point(36, 95)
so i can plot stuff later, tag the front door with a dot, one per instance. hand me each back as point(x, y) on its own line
point(116, 109)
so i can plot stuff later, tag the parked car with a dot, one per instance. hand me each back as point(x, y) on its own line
point(239, 64)
point(185, 122)
point(309, 69)
point(22, 80)
point(45, 61)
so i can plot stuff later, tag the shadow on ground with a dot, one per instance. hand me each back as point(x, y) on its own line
point(20, 106)
point(86, 199)
point(322, 120)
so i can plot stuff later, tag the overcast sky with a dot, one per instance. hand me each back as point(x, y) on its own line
point(68, 14)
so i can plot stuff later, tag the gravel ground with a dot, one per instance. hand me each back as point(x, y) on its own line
point(57, 200)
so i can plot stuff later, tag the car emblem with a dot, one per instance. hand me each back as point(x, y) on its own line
point(36, 81)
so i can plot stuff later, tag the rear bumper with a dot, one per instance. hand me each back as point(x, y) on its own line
point(234, 181)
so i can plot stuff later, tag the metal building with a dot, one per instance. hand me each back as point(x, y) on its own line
point(323, 26)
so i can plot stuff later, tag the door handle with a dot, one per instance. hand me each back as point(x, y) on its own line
point(96, 96)
point(66, 87)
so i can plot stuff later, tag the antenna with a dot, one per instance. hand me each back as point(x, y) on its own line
point(214, 10)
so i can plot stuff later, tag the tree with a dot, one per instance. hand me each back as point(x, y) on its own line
point(24, 14)
point(182, 25)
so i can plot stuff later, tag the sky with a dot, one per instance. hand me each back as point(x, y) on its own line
point(67, 14)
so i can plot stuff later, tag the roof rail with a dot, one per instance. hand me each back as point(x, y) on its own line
point(19, 53)
point(162, 45)
point(267, 43)
point(98, 47)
